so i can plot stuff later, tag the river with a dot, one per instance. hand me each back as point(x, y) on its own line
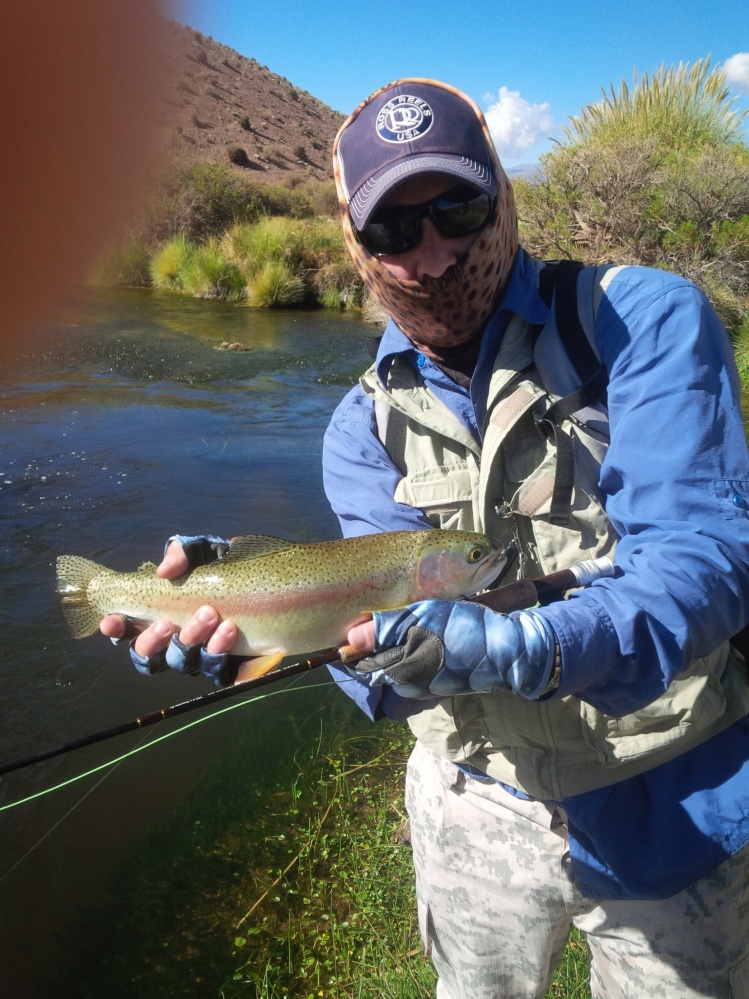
point(133, 423)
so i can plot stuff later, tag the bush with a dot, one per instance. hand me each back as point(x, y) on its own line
point(207, 273)
point(337, 285)
point(655, 176)
point(168, 265)
point(276, 286)
point(126, 265)
point(201, 202)
point(238, 156)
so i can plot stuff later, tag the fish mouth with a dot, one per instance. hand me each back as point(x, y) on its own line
point(490, 572)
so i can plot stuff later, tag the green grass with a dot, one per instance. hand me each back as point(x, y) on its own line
point(169, 263)
point(276, 285)
point(282, 885)
point(207, 273)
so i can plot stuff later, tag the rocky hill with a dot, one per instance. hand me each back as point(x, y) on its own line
point(225, 107)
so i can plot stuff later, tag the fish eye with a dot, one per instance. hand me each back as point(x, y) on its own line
point(474, 554)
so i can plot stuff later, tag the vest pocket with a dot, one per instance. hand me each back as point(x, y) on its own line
point(694, 700)
point(444, 493)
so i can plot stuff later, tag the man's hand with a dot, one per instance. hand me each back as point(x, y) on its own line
point(201, 644)
point(443, 648)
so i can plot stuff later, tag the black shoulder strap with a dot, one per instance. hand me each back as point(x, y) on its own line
point(558, 283)
point(569, 327)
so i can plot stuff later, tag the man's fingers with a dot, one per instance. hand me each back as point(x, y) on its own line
point(222, 639)
point(154, 639)
point(201, 626)
point(174, 562)
point(112, 626)
point(362, 637)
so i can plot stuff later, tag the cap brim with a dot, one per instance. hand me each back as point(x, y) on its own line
point(371, 193)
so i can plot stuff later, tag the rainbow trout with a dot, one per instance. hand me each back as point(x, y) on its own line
point(287, 598)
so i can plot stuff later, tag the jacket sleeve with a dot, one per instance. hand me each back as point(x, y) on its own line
point(675, 484)
point(358, 475)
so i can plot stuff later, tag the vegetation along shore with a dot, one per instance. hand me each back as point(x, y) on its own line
point(656, 174)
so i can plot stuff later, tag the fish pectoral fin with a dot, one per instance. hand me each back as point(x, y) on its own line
point(254, 668)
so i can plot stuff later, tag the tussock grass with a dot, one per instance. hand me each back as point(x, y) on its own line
point(276, 285)
point(654, 174)
point(270, 240)
point(684, 106)
point(208, 273)
point(168, 265)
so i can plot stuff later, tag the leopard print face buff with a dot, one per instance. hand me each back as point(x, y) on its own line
point(445, 312)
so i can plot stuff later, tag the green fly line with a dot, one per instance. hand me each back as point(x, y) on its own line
point(139, 749)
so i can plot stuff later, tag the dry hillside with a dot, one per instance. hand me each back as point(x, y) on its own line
point(225, 107)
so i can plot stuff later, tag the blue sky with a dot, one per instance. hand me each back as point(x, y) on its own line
point(528, 66)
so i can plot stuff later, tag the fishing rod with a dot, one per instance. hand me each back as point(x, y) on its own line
point(280, 673)
point(510, 597)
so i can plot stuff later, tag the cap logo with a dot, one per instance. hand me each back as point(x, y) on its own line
point(404, 118)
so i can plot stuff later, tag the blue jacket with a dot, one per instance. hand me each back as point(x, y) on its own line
point(676, 482)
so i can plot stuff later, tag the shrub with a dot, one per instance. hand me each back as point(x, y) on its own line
point(208, 274)
point(126, 265)
point(337, 285)
point(238, 156)
point(657, 176)
point(201, 201)
point(168, 265)
point(276, 286)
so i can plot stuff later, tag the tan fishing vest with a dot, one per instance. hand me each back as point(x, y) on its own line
point(559, 747)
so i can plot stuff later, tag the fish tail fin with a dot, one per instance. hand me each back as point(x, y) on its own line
point(254, 668)
point(73, 577)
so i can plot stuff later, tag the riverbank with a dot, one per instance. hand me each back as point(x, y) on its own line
point(299, 890)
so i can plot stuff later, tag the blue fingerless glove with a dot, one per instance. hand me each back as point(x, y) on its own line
point(443, 648)
point(192, 660)
point(201, 549)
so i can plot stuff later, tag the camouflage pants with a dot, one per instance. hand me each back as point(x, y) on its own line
point(496, 903)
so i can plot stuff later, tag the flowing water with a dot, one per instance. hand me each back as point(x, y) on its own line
point(131, 424)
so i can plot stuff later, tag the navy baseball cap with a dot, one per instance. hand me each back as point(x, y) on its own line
point(406, 128)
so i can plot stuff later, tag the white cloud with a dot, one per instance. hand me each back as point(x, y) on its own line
point(737, 70)
point(515, 124)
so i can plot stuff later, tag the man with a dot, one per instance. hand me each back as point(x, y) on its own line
point(584, 763)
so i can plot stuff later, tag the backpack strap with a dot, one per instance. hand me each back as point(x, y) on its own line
point(559, 286)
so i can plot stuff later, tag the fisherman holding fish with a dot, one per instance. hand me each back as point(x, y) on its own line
point(583, 763)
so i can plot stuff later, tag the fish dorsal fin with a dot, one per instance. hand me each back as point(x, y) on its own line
point(148, 567)
point(248, 546)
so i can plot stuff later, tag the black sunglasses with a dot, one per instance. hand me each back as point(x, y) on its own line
point(458, 212)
